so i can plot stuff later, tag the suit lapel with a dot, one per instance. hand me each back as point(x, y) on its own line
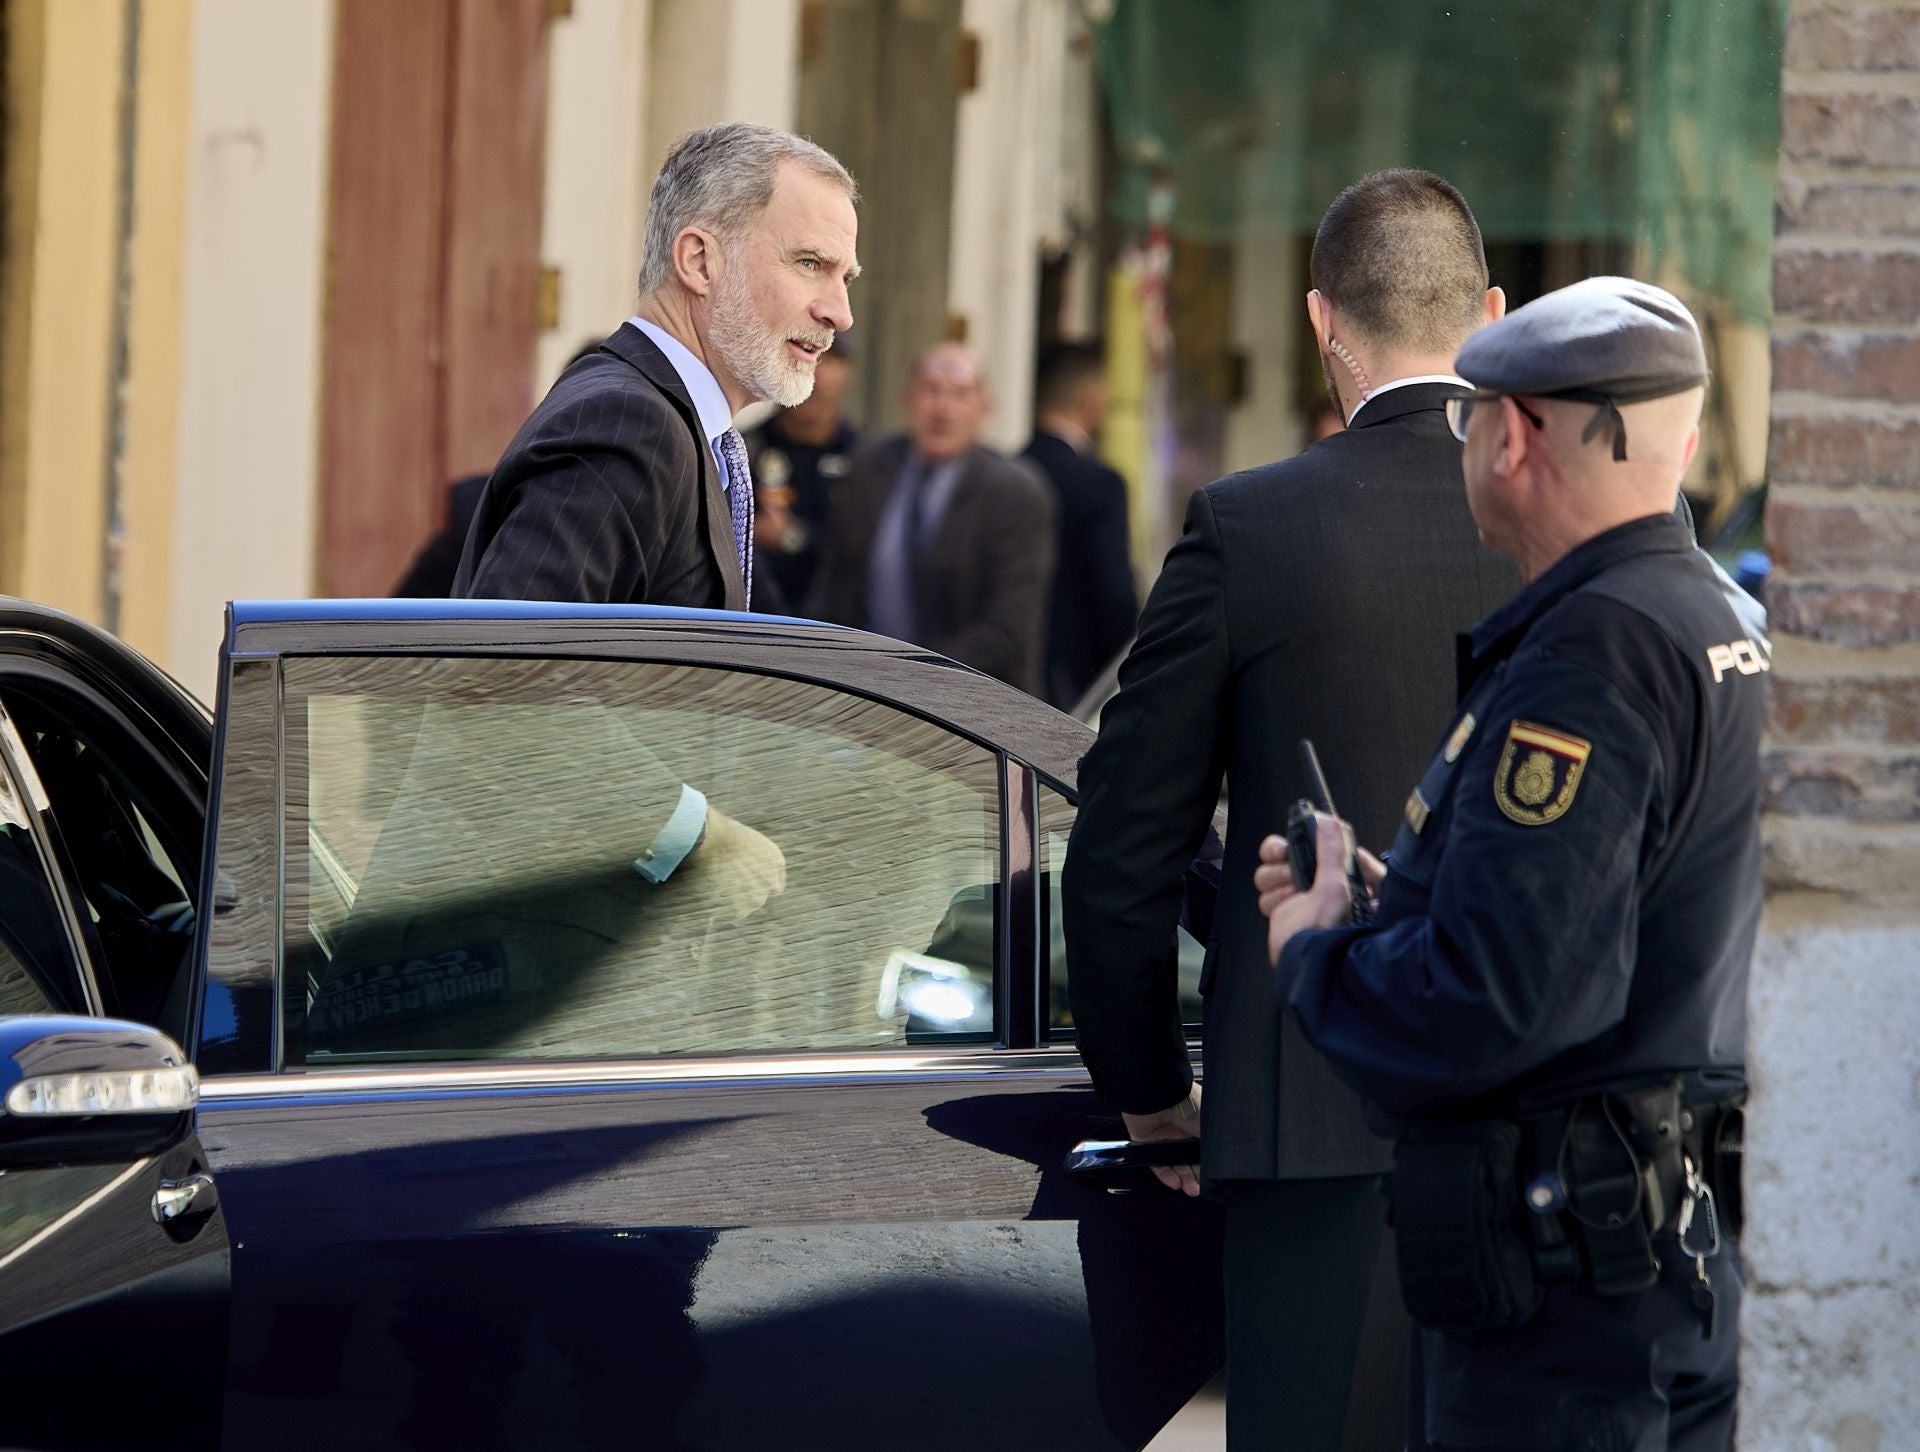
point(638, 350)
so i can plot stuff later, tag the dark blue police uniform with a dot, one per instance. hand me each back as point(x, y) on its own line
point(1569, 913)
point(811, 471)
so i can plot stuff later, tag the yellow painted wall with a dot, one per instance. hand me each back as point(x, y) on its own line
point(20, 172)
point(154, 324)
point(62, 175)
point(65, 210)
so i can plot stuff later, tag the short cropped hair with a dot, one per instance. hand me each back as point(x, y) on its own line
point(722, 179)
point(1399, 253)
point(1064, 369)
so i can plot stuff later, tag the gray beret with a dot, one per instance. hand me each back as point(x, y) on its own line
point(1606, 341)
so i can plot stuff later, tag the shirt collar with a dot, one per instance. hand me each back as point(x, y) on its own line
point(1079, 440)
point(1653, 534)
point(702, 387)
point(1457, 382)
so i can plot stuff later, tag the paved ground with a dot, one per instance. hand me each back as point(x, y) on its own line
point(1201, 1425)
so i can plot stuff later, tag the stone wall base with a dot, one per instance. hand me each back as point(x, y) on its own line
point(1831, 1332)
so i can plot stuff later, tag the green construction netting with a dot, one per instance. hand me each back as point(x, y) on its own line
point(1654, 125)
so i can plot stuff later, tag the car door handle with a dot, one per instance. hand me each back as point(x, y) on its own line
point(178, 1200)
point(1108, 1156)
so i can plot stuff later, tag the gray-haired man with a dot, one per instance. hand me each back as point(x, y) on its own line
point(629, 483)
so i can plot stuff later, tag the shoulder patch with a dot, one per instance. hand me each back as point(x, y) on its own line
point(1539, 772)
point(1457, 742)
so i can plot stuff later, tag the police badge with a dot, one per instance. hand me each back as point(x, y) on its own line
point(1539, 773)
point(772, 468)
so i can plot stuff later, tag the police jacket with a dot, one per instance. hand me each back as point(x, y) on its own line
point(1572, 897)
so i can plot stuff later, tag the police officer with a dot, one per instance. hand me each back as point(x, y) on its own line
point(797, 458)
point(1549, 1004)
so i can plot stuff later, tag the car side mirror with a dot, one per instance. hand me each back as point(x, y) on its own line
point(90, 1091)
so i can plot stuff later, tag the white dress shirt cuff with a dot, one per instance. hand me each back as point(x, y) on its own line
point(676, 840)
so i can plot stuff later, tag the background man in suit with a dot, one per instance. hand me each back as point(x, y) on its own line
point(629, 482)
point(1316, 597)
point(939, 540)
point(1093, 599)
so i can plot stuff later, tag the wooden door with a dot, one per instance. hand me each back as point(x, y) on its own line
point(433, 261)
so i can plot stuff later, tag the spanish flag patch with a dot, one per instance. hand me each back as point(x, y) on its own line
point(1539, 773)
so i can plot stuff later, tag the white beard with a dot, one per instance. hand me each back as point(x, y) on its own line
point(754, 353)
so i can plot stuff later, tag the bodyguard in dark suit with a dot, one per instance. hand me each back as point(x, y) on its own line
point(942, 541)
point(629, 482)
point(1317, 597)
point(1094, 604)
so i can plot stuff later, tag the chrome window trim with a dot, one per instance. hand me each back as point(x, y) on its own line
point(466, 1078)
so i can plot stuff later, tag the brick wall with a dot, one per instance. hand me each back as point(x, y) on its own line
point(1834, 1165)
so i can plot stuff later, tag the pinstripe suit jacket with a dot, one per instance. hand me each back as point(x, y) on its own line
point(608, 495)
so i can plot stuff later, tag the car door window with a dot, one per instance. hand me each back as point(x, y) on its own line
point(38, 969)
point(1057, 816)
point(483, 860)
point(131, 882)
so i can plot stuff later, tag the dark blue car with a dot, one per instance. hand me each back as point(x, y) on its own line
point(539, 1026)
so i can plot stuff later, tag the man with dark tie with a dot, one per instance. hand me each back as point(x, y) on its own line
point(629, 483)
point(938, 539)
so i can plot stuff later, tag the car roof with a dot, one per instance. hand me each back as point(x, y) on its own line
point(267, 612)
point(112, 662)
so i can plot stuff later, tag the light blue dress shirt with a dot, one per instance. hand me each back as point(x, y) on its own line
point(709, 403)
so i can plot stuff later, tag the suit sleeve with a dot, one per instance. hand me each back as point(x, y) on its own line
point(591, 498)
point(1147, 794)
point(1007, 638)
point(1527, 943)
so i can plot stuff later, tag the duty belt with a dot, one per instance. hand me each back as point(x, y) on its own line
point(1605, 1176)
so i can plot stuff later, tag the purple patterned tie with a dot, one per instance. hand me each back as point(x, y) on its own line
point(733, 449)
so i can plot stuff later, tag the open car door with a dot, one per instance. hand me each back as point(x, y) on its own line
point(633, 1026)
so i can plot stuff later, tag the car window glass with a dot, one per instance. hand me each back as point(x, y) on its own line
point(38, 973)
point(132, 887)
point(470, 847)
point(1056, 826)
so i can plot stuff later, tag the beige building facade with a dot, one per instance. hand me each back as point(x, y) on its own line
point(164, 446)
